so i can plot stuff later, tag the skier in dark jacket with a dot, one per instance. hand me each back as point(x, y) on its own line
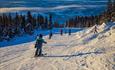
point(61, 32)
point(50, 35)
point(38, 45)
point(95, 29)
point(69, 32)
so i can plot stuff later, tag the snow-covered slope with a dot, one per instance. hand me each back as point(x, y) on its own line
point(83, 50)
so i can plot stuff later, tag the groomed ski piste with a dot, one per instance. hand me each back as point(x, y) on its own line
point(83, 50)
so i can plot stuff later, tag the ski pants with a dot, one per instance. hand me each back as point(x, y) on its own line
point(38, 51)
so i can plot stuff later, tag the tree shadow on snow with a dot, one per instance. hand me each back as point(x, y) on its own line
point(30, 38)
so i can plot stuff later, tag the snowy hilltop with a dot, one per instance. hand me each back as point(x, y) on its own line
point(82, 50)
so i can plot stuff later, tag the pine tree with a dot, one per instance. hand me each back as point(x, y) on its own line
point(50, 23)
point(109, 10)
point(113, 10)
point(29, 17)
point(46, 22)
point(23, 23)
point(38, 21)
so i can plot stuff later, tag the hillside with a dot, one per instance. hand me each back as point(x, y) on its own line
point(83, 50)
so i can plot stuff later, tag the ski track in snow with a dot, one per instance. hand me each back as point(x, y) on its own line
point(80, 51)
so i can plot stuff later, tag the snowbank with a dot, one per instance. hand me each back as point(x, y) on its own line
point(83, 50)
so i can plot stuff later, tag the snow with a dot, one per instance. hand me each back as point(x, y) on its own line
point(83, 50)
point(29, 38)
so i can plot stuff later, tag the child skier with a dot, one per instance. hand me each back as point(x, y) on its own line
point(38, 45)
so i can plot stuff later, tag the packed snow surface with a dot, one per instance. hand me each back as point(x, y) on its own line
point(83, 50)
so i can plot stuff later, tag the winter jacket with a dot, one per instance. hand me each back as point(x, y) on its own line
point(39, 43)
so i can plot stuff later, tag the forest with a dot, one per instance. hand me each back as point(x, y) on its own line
point(11, 26)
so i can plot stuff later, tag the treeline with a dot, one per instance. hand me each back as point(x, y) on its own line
point(88, 21)
point(17, 25)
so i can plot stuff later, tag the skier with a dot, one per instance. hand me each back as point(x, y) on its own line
point(50, 35)
point(38, 45)
point(95, 29)
point(61, 32)
point(69, 32)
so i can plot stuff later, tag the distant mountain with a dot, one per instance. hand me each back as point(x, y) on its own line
point(59, 8)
